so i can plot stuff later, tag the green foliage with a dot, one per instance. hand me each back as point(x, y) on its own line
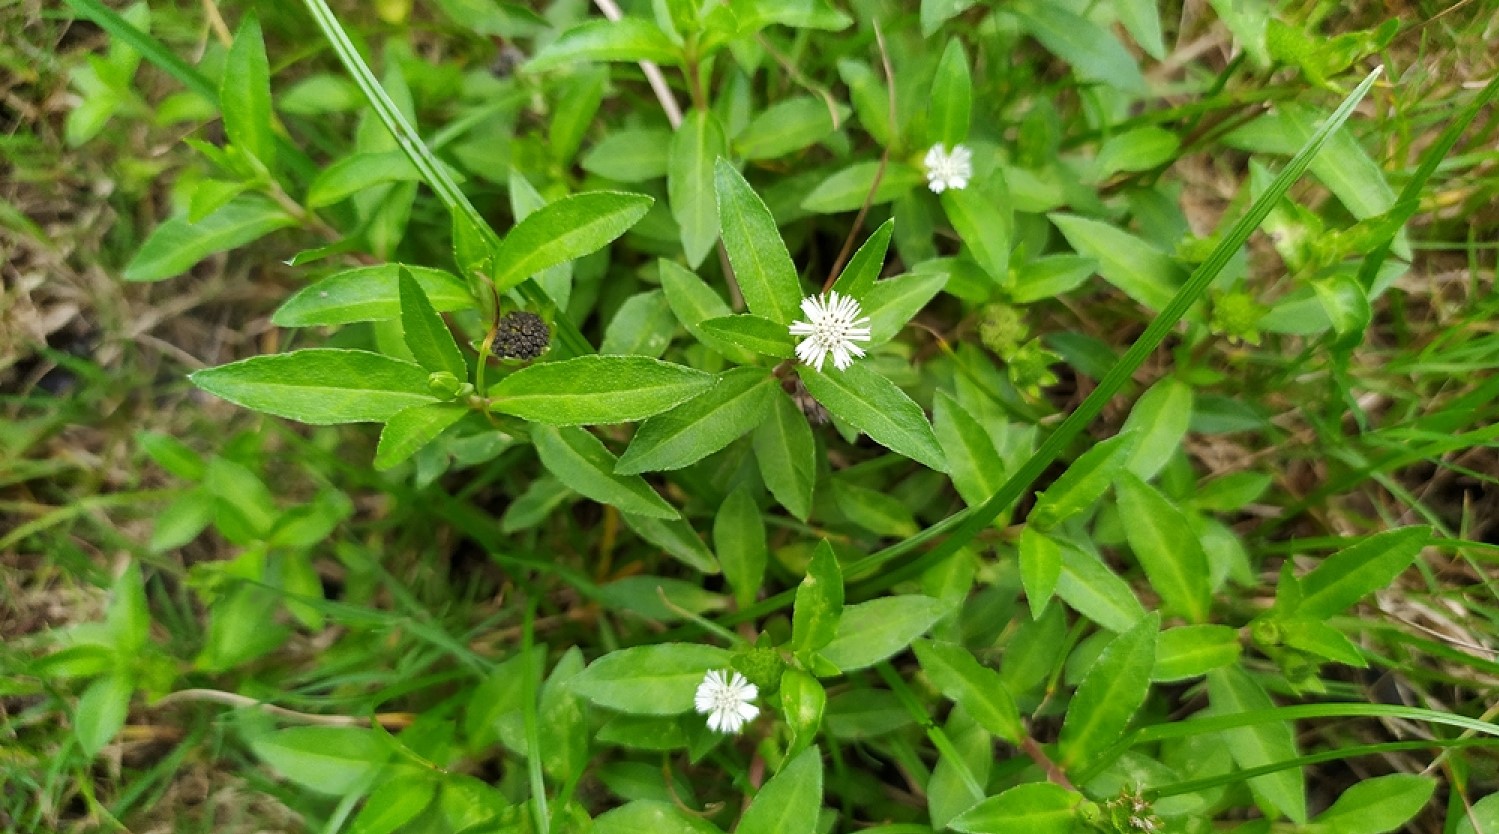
point(1036, 511)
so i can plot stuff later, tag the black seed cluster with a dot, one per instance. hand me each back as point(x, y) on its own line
point(521, 336)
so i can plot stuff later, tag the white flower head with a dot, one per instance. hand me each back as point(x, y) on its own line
point(948, 170)
point(725, 698)
point(833, 325)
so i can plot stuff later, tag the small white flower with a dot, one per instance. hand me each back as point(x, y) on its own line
point(725, 698)
point(833, 325)
point(948, 170)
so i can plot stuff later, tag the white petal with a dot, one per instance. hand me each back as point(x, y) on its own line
point(937, 186)
point(801, 328)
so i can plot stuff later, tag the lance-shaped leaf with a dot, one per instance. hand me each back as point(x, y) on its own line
point(177, 244)
point(695, 147)
point(427, 335)
point(649, 680)
point(1110, 693)
point(864, 267)
point(562, 231)
point(580, 461)
point(1163, 542)
point(1231, 691)
point(762, 266)
point(874, 405)
point(245, 95)
point(629, 39)
point(784, 451)
point(408, 431)
point(369, 293)
point(975, 687)
point(748, 331)
point(872, 631)
point(321, 386)
point(790, 801)
point(1345, 577)
point(702, 425)
point(952, 97)
point(587, 390)
point(1084, 482)
point(819, 601)
point(1032, 808)
point(983, 222)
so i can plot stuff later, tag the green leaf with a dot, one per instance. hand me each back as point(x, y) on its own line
point(631, 154)
point(864, 267)
point(1093, 52)
point(580, 460)
point(325, 760)
point(677, 538)
point(846, 190)
point(1050, 276)
point(874, 405)
point(427, 335)
point(893, 302)
point(1032, 808)
point(976, 468)
point(978, 689)
point(1040, 568)
point(801, 14)
point(697, 144)
point(1347, 576)
point(702, 425)
point(1189, 651)
point(578, 98)
point(1160, 535)
point(753, 333)
point(408, 431)
point(762, 266)
point(803, 702)
point(1481, 818)
point(1110, 694)
point(1377, 805)
point(648, 816)
point(872, 631)
point(784, 453)
point(786, 126)
point(628, 39)
point(397, 802)
point(819, 601)
point(245, 94)
point(128, 619)
point(789, 803)
point(1091, 589)
point(984, 228)
point(1084, 482)
point(693, 302)
point(559, 232)
point(356, 172)
point(181, 521)
point(101, 712)
point(320, 386)
point(1136, 268)
point(1140, 149)
point(1160, 419)
point(643, 326)
point(739, 539)
point(934, 13)
point(951, 98)
point(369, 293)
point(587, 390)
point(1232, 691)
point(1143, 20)
point(649, 680)
point(176, 245)
point(239, 630)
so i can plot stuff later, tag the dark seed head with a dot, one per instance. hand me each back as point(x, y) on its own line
point(521, 336)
